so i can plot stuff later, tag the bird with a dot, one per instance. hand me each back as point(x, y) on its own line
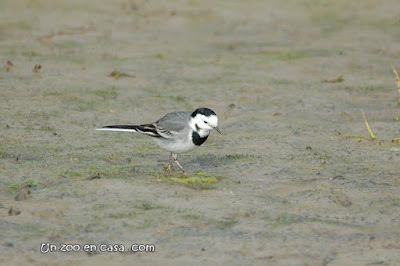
point(176, 132)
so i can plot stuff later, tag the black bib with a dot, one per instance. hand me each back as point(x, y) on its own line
point(197, 140)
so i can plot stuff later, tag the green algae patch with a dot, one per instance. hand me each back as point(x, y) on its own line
point(26, 183)
point(196, 180)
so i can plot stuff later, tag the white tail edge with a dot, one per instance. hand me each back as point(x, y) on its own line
point(116, 129)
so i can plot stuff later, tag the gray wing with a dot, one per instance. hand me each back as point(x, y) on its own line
point(172, 124)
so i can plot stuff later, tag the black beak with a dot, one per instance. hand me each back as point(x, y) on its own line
point(217, 129)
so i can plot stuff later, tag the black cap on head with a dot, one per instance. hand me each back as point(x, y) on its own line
point(203, 111)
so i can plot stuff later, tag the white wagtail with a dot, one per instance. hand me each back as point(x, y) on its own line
point(176, 132)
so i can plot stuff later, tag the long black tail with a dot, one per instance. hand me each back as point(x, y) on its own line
point(148, 129)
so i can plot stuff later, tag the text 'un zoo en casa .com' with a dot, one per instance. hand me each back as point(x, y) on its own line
point(106, 248)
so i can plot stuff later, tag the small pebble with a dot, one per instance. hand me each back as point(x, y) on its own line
point(13, 212)
point(23, 194)
point(8, 244)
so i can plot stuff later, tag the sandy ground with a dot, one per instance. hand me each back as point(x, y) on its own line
point(292, 188)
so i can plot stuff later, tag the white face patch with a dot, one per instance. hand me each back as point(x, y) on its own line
point(212, 120)
point(204, 123)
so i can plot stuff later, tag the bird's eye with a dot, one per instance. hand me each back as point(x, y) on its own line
point(206, 122)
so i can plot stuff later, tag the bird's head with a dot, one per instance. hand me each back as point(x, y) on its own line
point(205, 119)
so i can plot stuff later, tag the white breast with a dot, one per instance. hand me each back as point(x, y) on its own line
point(180, 144)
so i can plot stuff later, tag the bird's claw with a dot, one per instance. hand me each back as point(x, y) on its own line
point(168, 168)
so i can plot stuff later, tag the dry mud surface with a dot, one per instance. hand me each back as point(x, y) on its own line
point(288, 80)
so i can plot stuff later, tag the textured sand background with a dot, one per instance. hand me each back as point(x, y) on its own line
point(292, 189)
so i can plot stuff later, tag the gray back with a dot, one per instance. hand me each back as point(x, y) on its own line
point(175, 121)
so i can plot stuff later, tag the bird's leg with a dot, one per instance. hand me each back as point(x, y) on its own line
point(169, 166)
point(175, 157)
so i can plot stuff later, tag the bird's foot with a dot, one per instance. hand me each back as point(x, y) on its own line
point(168, 168)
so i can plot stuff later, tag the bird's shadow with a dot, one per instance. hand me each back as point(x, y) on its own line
point(206, 161)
